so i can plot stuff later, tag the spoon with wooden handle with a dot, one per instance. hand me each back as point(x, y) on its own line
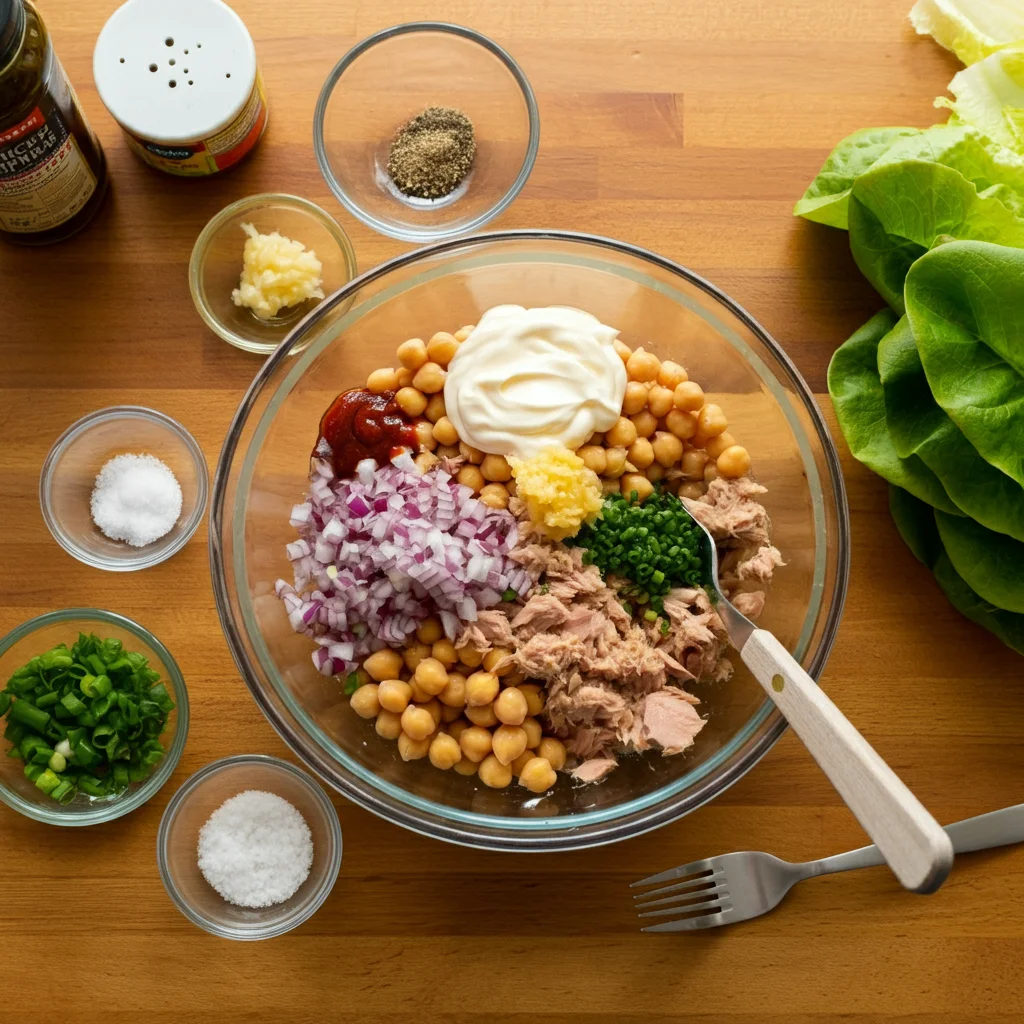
point(913, 843)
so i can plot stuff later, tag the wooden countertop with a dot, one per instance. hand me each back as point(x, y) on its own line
point(688, 128)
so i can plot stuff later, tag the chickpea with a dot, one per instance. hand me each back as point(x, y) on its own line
point(457, 728)
point(388, 725)
point(384, 664)
point(635, 482)
point(412, 354)
point(518, 764)
point(471, 454)
point(635, 398)
point(596, 437)
point(435, 408)
point(442, 348)
point(424, 436)
point(429, 379)
point(426, 461)
point(692, 490)
point(444, 752)
point(444, 431)
point(668, 449)
point(534, 733)
point(510, 706)
point(537, 775)
point(655, 472)
point(447, 451)
point(470, 476)
point(494, 496)
point(646, 423)
point(464, 332)
point(693, 463)
point(454, 694)
point(622, 350)
point(434, 707)
point(364, 701)
point(394, 695)
point(419, 695)
point(495, 468)
point(513, 678)
point(411, 749)
point(449, 715)
point(689, 396)
point(494, 774)
point(718, 444)
point(622, 434)
point(363, 677)
point(508, 742)
point(466, 767)
point(481, 688)
point(443, 651)
point(640, 453)
point(660, 401)
point(511, 488)
point(430, 630)
point(414, 654)
point(403, 378)
point(609, 487)
point(682, 424)
point(711, 420)
point(710, 472)
point(593, 458)
point(534, 698)
point(643, 366)
point(733, 462)
point(471, 657)
point(382, 380)
point(499, 661)
point(475, 742)
point(670, 376)
point(483, 716)
point(411, 401)
point(418, 723)
point(554, 751)
point(616, 462)
point(431, 676)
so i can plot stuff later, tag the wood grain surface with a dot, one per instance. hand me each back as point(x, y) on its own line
point(687, 127)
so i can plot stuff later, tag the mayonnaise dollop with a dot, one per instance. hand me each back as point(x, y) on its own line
point(529, 379)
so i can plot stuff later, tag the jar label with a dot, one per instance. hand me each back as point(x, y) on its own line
point(218, 152)
point(44, 179)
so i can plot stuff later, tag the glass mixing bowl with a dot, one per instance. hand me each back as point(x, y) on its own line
point(653, 302)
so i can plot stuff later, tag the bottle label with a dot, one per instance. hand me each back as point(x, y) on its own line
point(44, 179)
point(217, 153)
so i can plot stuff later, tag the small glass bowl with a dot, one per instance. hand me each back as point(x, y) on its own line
point(394, 75)
point(216, 264)
point(77, 456)
point(39, 635)
point(190, 808)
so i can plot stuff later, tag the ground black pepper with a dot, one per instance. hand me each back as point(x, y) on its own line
point(432, 153)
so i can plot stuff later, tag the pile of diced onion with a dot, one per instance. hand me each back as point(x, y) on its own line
point(380, 552)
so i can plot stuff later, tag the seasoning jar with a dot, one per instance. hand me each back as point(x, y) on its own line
point(53, 175)
point(182, 82)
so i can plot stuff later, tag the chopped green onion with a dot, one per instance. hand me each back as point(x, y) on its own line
point(64, 792)
point(509, 595)
point(73, 704)
point(47, 699)
point(651, 615)
point(57, 762)
point(48, 781)
point(5, 702)
point(28, 714)
point(351, 684)
point(96, 686)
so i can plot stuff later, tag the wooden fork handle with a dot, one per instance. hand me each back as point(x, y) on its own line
point(911, 840)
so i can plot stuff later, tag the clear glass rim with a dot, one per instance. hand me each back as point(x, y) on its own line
point(161, 552)
point(133, 799)
point(202, 244)
point(316, 898)
point(434, 233)
point(533, 834)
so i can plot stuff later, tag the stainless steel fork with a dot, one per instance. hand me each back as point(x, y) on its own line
point(739, 886)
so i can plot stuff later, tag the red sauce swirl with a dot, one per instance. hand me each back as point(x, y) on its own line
point(361, 425)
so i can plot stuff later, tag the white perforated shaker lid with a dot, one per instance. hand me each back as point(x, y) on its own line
point(174, 71)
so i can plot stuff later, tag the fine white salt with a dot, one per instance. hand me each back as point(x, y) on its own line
point(137, 499)
point(255, 849)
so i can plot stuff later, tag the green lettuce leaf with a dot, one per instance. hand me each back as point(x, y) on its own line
point(989, 96)
point(965, 304)
point(856, 391)
point(972, 29)
point(916, 525)
point(919, 427)
point(991, 564)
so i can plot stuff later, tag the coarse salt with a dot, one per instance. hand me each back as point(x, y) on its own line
point(255, 849)
point(137, 499)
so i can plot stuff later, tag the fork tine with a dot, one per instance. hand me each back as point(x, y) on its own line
point(718, 891)
point(688, 924)
point(673, 873)
point(690, 883)
point(687, 908)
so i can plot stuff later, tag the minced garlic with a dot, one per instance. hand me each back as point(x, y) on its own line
point(276, 272)
point(561, 494)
